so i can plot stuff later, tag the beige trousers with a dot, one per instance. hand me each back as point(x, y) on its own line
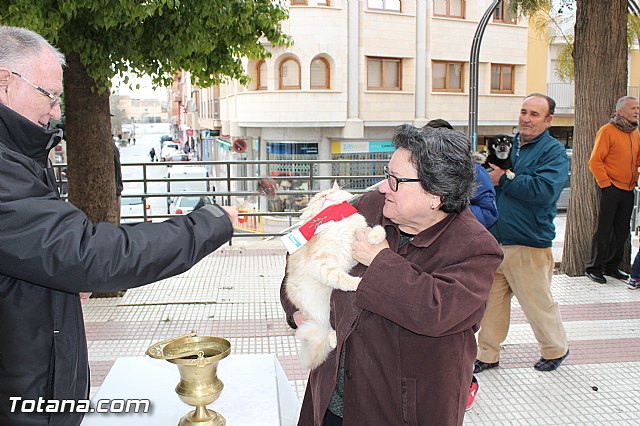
point(526, 273)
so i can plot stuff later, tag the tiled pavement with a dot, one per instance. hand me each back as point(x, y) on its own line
point(234, 293)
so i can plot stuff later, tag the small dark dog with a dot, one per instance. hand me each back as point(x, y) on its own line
point(499, 152)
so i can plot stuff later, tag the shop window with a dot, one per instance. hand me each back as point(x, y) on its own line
point(289, 74)
point(447, 76)
point(502, 78)
point(393, 5)
point(449, 8)
point(384, 74)
point(320, 74)
point(504, 13)
point(261, 70)
point(292, 176)
point(358, 167)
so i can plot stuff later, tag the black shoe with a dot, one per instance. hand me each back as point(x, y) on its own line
point(480, 366)
point(549, 364)
point(618, 274)
point(596, 277)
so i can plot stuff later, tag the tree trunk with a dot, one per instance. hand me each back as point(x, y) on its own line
point(90, 154)
point(89, 145)
point(600, 58)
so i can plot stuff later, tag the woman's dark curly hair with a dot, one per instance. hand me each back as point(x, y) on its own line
point(443, 161)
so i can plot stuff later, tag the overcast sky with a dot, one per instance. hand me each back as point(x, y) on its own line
point(145, 91)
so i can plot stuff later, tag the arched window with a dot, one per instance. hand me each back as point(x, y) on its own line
point(261, 71)
point(320, 74)
point(289, 74)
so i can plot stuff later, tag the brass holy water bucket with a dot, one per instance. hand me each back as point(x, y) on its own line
point(197, 359)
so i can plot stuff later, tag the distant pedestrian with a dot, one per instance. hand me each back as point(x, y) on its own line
point(152, 154)
point(614, 163)
point(186, 148)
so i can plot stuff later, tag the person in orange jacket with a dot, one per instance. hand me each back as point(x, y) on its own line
point(614, 164)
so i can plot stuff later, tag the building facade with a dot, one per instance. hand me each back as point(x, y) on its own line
point(357, 70)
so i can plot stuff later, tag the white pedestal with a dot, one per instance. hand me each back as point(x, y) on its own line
point(256, 392)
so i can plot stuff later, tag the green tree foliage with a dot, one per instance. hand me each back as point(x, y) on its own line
point(157, 37)
point(557, 22)
point(104, 38)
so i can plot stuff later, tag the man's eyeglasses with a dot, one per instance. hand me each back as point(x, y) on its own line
point(394, 181)
point(55, 100)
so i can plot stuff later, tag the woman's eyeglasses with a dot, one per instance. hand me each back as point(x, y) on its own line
point(55, 100)
point(394, 181)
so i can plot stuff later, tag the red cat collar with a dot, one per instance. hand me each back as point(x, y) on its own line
point(296, 239)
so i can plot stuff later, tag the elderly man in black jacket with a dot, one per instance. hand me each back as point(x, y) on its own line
point(50, 251)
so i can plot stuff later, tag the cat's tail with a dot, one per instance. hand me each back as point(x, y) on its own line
point(317, 341)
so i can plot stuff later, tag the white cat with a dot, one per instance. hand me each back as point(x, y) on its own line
point(320, 266)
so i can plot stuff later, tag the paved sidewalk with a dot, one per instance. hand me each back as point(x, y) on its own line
point(234, 293)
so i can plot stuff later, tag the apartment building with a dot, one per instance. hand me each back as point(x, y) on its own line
point(357, 70)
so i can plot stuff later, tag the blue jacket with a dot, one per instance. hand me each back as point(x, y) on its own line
point(483, 203)
point(527, 204)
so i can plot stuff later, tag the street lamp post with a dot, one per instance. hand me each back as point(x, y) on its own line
point(473, 74)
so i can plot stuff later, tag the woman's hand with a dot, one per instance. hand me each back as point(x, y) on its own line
point(364, 252)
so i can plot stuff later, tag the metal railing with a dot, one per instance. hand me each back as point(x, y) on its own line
point(237, 183)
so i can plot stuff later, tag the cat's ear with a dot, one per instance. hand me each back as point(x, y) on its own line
point(335, 185)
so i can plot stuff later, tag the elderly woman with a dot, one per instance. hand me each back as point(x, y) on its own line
point(406, 336)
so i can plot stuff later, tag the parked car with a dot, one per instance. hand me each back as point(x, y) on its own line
point(168, 150)
point(180, 181)
point(175, 144)
point(133, 206)
point(563, 201)
point(184, 205)
point(179, 156)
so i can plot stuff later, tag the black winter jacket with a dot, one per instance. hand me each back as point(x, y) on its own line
point(49, 252)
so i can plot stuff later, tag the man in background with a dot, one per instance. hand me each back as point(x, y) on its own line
point(614, 164)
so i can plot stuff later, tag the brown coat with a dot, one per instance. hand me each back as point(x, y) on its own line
point(409, 327)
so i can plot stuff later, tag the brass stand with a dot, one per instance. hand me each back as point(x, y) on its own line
point(197, 359)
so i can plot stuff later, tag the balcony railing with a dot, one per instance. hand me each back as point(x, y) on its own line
point(563, 94)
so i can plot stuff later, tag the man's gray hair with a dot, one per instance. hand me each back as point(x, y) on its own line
point(20, 46)
point(623, 100)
